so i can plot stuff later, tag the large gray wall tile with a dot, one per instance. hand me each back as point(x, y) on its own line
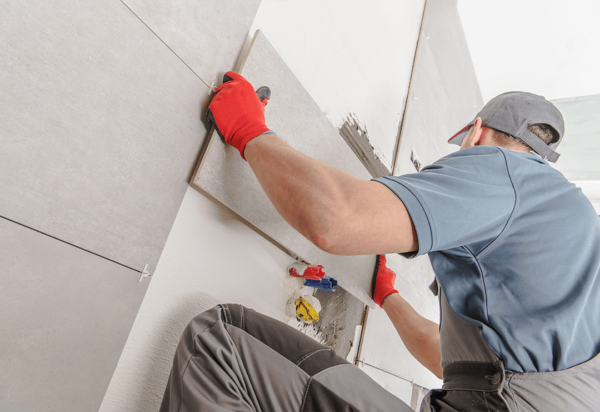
point(66, 315)
point(444, 93)
point(297, 119)
point(100, 127)
point(208, 35)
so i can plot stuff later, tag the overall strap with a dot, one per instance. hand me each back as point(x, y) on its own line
point(460, 341)
point(473, 375)
point(467, 362)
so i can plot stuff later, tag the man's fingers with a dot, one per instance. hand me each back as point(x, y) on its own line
point(264, 94)
point(229, 76)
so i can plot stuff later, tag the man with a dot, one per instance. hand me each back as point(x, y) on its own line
point(513, 244)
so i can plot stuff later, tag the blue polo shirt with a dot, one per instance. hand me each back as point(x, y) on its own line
point(515, 248)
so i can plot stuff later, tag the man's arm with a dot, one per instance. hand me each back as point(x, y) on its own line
point(338, 212)
point(420, 336)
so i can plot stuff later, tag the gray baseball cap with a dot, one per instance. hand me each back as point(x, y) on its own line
point(512, 112)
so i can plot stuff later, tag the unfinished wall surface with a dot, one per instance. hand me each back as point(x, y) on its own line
point(444, 96)
point(354, 58)
point(298, 120)
point(210, 258)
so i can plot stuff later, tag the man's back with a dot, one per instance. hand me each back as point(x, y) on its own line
point(523, 265)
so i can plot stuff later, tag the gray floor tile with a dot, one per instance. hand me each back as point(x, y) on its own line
point(297, 119)
point(208, 35)
point(100, 127)
point(66, 315)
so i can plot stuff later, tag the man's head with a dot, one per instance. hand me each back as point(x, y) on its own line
point(518, 121)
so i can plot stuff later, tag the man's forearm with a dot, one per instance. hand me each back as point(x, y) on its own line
point(420, 336)
point(332, 208)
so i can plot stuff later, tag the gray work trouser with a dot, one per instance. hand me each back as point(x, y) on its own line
point(231, 358)
point(475, 379)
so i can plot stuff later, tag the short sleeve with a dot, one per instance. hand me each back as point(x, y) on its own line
point(463, 198)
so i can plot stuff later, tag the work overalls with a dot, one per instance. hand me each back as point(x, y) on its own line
point(475, 379)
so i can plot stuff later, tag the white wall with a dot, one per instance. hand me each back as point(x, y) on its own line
point(353, 57)
point(209, 258)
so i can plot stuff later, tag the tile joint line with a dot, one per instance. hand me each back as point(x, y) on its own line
point(70, 244)
point(163, 42)
point(412, 74)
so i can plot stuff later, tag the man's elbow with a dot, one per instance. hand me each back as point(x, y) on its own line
point(324, 240)
point(334, 241)
point(327, 235)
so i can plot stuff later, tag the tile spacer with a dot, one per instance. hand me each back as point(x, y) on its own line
point(212, 88)
point(145, 273)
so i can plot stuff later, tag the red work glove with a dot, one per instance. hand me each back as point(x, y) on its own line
point(383, 281)
point(237, 112)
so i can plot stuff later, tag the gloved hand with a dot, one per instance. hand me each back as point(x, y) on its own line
point(383, 281)
point(237, 112)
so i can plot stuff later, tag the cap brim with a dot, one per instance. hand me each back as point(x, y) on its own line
point(458, 138)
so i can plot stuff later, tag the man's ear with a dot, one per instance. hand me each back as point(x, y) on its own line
point(473, 138)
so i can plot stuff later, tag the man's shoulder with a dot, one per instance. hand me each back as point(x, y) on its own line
point(481, 160)
point(478, 153)
point(492, 159)
point(472, 155)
